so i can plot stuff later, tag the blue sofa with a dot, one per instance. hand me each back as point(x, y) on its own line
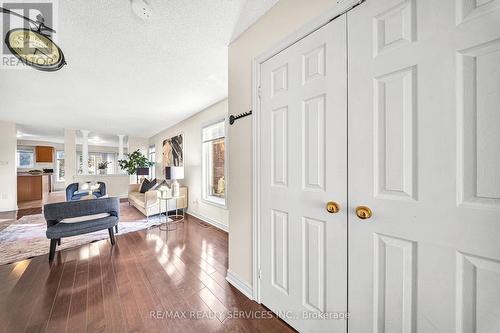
point(93, 215)
point(73, 193)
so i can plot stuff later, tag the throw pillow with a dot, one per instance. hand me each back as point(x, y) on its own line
point(80, 192)
point(144, 186)
point(85, 218)
point(141, 180)
point(148, 186)
point(157, 185)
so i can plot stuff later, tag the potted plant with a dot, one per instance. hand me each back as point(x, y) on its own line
point(102, 166)
point(133, 161)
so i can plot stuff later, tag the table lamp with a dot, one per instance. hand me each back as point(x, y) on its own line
point(142, 172)
point(173, 173)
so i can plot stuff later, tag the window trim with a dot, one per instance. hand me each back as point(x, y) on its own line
point(215, 201)
point(56, 167)
point(152, 169)
point(96, 170)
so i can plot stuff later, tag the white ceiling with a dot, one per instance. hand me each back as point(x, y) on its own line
point(126, 75)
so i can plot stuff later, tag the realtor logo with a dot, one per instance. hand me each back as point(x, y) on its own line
point(38, 11)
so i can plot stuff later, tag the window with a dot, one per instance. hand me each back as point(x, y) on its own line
point(60, 165)
point(25, 158)
point(214, 170)
point(94, 160)
point(152, 158)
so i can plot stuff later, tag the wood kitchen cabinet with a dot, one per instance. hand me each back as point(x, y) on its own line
point(32, 187)
point(44, 154)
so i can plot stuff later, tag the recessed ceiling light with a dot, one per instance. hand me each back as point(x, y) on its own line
point(95, 139)
point(142, 9)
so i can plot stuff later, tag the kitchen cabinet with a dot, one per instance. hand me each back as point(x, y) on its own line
point(44, 154)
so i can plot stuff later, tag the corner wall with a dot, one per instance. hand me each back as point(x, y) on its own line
point(191, 128)
point(8, 172)
point(280, 21)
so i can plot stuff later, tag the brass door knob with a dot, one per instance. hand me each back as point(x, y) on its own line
point(332, 207)
point(363, 212)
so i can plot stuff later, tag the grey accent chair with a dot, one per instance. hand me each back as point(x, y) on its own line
point(56, 215)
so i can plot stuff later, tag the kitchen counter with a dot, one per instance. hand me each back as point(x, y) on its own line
point(33, 186)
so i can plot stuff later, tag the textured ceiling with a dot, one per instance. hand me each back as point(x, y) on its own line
point(126, 75)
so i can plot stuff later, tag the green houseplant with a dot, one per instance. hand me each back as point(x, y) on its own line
point(102, 166)
point(133, 161)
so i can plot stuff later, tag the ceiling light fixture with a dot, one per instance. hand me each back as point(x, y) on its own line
point(142, 9)
point(47, 56)
point(95, 140)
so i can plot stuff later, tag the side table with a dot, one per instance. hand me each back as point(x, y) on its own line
point(178, 217)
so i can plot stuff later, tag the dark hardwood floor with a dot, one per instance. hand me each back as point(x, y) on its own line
point(131, 287)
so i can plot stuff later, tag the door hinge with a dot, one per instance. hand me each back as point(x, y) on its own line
point(260, 273)
point(259, 91)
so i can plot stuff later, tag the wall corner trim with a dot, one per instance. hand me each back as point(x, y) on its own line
point(236, 281)
point(210, 221)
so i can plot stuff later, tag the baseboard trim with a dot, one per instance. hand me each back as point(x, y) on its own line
point(208, 220)
point(236, 281)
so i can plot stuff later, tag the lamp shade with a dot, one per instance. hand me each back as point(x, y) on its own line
point(174, 172)
point(142, 171)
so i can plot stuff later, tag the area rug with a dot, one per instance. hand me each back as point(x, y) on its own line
point(25, 238)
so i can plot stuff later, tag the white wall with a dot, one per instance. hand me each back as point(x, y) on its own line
point(135, 143)
point(116, 185)
point(8, 173)
point(191, 128)
point(279, 22)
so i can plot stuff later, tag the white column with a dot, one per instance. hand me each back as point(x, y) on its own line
point(85, 152)
point(120, 152)
point(69, 155)
point(120, 146)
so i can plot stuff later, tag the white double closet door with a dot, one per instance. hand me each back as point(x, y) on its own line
point(394, 106)
point(303, 165)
